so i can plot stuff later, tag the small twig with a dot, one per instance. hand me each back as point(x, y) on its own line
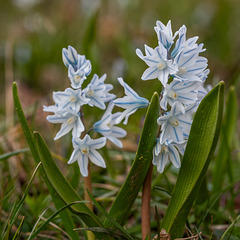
point(191, 237)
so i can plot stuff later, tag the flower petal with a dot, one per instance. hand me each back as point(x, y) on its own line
point(96, 158)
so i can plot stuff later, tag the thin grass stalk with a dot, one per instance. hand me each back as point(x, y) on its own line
point(146, 198)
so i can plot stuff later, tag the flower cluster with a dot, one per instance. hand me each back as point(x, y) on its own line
point(68, 110)
point(176, 63)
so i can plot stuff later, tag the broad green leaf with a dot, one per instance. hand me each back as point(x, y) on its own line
point(58, 202)
point(200, 147)
point(64, 188)
point(121, 207)
point(228, 130)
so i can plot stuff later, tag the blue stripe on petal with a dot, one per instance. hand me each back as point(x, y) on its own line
point(175, 132)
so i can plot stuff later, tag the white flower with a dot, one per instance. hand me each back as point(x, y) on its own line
point(108, 87)
point(97, 92)
point(182, 42)
point(78, 67)
point(70, 99)
point(166, 151)
point(176, 124)
point(85, 149)
point(131, 102)
point(70, 57)
point(70, 120)
point(106, 127)
point(164, 34)
point(203, 75)
point(184, 92)
point(190, 65)
point(53, 108)
point(159, 65)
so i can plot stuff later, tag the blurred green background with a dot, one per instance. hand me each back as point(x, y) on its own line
point(33, 33)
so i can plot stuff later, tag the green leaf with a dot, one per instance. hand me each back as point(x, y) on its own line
point(63, 187)
point(65, 215)
point(121, 207)
point(228, 130)
point(200, 147)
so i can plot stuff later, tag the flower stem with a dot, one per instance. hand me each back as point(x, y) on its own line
point(88, 186)
point(146, 197)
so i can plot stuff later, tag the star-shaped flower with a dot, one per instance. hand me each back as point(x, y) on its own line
point(159, 65)
point(166, 151)
point(97, 92)
point(176, 124)
point(78, 67)
point(164, 34)
point(184, 92)
point(85, 149)
point(70, 120)
point(70, 98)
point(190, 65)
point(131, 102)
point(105, 126)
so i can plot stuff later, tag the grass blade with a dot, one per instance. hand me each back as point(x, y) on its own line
point(18, 232)
point(34, 234)
point(230, 228)
point(10, 154)
point(121, 207)
point(200, 147)
point(19, 205)
point(118, 226)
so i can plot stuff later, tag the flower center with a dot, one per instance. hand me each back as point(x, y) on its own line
point(85, 150)
point(90, 93)
point(164, 149)
point(72, 99)
point(161, 65)
point(173, 95)
point(71, 120)
point(109, 125)
point(174, 121)
point(77, 78)
point(182, 70)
